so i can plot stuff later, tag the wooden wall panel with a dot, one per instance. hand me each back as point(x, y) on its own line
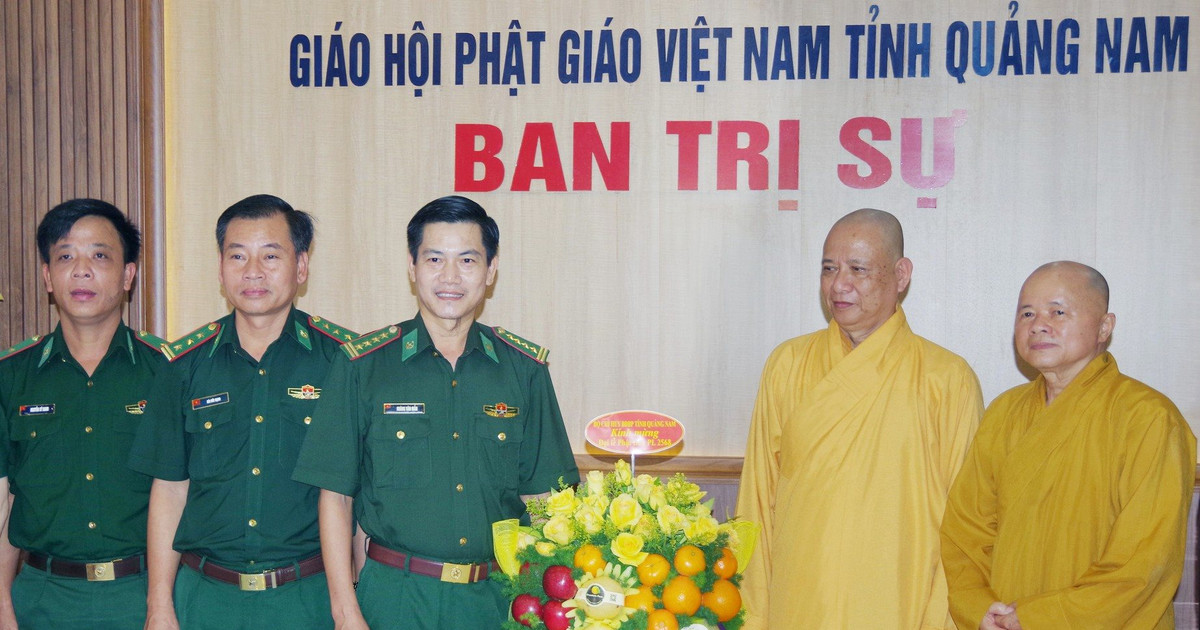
point(82, 104)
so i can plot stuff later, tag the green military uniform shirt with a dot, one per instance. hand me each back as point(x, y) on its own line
point(434, 455)
point(65, 439)
point(233, 427)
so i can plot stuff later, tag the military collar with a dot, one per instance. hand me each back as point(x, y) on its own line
point(295, 328)
point(56, 345)
point(416, 340)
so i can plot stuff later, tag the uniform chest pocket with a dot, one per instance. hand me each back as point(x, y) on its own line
point(400, 452)
point(39, 439)
point(297, 417)
point(214, 442)
point(499, 453)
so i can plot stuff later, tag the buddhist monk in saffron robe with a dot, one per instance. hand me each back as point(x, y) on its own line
point(1071, 509)
point(856, 436)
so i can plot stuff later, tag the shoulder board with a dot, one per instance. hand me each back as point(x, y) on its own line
point(525, 347)
point(370, 342)
point(340, 334)
point(191, 341)
point(150, 340)
point(21, 347)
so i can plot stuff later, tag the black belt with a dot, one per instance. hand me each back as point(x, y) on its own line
point(444, 571)
point(255, 581)
point(91, 571)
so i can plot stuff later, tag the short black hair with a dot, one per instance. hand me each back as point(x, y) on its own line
point(453, 209)
point(58, 223)
point(300, 223)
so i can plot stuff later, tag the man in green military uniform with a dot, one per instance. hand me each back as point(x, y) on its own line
point(436, 427)
point(69, 406)
point(221, 436)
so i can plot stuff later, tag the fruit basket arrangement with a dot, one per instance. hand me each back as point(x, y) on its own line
point(620, 552)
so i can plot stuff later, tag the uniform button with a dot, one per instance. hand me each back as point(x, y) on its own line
point(454, 383)
point(90, 382)
point(258, 419)
point(459, 487)
point(87, 429)
point(92, 525)
point(207, 425)
point(255, 471)
point(501, 436)
point(400, 435)
point(462, 541)
point(436, 354)
point(89, 476)
point(253, 523)
point(307, 419)
point(455, 436)
point(262, 372)
point(33, 434)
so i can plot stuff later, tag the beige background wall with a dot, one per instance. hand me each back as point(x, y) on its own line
point(667, 299)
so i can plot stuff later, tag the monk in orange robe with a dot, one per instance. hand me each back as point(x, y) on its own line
point(857, 434)
point(1071, 509)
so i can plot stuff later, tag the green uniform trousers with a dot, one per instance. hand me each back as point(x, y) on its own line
point(394, 599)
point(202, 603)
point(49, 602)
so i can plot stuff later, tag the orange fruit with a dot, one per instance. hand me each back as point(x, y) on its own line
point(689, 560)
point(662, 620)
point(681, 596)
point(726, 565)
point(653, 570)
point(644, 599)
point(590, 559)
point(724, 600)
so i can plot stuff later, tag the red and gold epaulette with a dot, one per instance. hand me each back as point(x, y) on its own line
point(191, 341)
point(21, 347)
point(340, 334)
point(157, 343)
point(370, 342)
point(524, 346)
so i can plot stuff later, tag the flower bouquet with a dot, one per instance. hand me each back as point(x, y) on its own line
point(623, 553)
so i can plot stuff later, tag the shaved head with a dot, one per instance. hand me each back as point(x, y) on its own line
point(1088, 277)
point(891, 235)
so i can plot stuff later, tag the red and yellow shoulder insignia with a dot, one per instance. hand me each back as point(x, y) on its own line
point(524, 346)
point(150, 340)
point(340, 334)
point(191, 341)
point(370, 342)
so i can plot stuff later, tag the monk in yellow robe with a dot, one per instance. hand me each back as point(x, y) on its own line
point(1071, 509)
point(857, 434)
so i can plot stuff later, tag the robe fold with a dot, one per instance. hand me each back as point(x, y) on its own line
point(1076, 510)
point(849, 460)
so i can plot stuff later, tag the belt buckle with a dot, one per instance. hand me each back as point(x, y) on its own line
point(456, 573)
point(100, 572)
point(252, 581)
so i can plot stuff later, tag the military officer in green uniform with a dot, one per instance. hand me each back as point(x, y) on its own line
point(69, 407)
point(429, 431)
point(233, 541)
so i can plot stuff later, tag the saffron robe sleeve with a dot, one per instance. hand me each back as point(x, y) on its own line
point(850, 457)
point(1075, 511)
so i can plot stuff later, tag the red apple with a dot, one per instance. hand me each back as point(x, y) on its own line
point(555, 616)
point(525, 604)
point(558, 583)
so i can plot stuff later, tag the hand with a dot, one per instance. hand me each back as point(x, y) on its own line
point(1009, 621)
point(992, 619)
point(161, 619)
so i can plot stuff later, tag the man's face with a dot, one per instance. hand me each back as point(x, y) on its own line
point(260, 270)
point(451, 272)
point(1061, 323)
point(860, 283)
point(87, 272)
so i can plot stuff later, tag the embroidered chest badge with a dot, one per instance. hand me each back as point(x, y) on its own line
point(501, 410)
point(305, 392)
point(137, 408)
point(36, 410)
point(404, 409)
point(209, 401)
